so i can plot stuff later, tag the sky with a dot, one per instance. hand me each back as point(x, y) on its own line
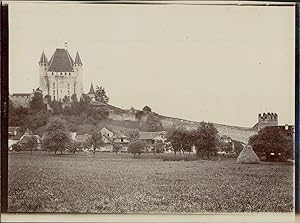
point(223, 64)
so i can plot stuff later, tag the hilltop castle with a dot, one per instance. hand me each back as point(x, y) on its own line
point(61, 76)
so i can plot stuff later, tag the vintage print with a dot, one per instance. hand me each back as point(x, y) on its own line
point(131, 108)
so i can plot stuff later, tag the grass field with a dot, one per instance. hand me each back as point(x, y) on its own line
point(110, 183)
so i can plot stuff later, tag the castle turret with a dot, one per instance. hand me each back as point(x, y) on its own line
point(91, 93)
point(43, 68)
point(78, 71)
point(266, 119)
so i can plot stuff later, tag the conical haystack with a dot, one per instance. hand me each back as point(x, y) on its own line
point(248, 156)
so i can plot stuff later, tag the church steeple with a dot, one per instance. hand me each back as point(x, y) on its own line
point(43, 59)
point(77, 59)
point(92, 91)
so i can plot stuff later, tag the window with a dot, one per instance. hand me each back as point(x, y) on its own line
point(122, 140)
point(69, 73)
point(60, 73)
point(69, 93)
point(52, 73)
point(53, 86)
point(65, 73)
point(68, 86)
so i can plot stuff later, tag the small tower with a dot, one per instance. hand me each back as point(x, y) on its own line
point(266, 119)
point(91, 93)
point(43, 67)
point(78, 72)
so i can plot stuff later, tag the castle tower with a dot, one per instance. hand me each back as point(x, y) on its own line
point(91, 93)
point(78, 71)
point(43, 65)
point(61, 77)
point(266, 119)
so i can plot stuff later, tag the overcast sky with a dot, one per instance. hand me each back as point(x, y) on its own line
point(212, 63)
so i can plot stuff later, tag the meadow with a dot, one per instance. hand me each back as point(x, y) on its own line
point(110, 183)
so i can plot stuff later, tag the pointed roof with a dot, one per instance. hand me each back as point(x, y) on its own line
point(77, 59)
point(43, 58)
point(92, 91)
point(61, 61)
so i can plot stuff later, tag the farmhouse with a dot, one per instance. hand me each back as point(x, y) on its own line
point(28, 134)
point(152, 137)
point(111, 136)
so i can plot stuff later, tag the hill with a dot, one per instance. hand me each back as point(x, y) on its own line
point(126, 119)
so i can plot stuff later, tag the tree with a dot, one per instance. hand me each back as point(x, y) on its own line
point(116, 147)
point(272, 140)
point(56, 137)
point(56, 106)
point(31, 144)
point(147, 109)
point(136, 147)
point(85, 99)
point(158, 147)
point(134, 135)
point(205, 139)
point(95, 141)
point(73, 146)
point(152, 123)
point(37, 102)
point(47, 98)
point(74, 98)
point(174, 136)
point(66, 99)
point(237, 147)
point(139, 115)
point(100, 95)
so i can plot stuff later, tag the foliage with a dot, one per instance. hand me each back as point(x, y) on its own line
point(158, 147)
point(174, 136)
point(31, 144)
point(47, 98)
point(272, 140)
point(56, 107)
point(136, 147)
point(147, 109)
point(134, 134)
point(56, 137)
point(205, 139)
point(238, 147)
point(116, 147)
point(139, 115)
point(100, 95)
point(73, 146)
point(95, 141)
point(37, 102)
point(74, 98)
point(152, 123)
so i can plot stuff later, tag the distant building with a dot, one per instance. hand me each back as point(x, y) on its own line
point(91, 93)
point(14, 135)
point(266, 119)
point(24, 139)
point(61, 76)
point(152, 137)
point(111, 136)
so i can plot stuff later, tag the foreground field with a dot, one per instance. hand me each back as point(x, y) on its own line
point(110, 183)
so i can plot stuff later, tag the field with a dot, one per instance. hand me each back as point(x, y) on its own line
point(110, 183)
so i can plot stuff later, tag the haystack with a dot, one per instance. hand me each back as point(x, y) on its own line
point(248, 156)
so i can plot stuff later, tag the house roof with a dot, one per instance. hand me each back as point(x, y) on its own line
point(97, 103)
point(92, 91)
point(43, 58)
point(25, 138)
point(12, 129)
point(148, 135)
point(61, 61)
point(82, 138)
point(77, 59)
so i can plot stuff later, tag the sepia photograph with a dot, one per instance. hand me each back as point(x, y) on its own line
point(151, 108)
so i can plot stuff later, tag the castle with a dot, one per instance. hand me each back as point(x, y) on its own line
point(266, 119)
point(62, 76)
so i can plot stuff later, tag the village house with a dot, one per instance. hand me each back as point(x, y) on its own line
point(28, 134)
point(111, 136)
point(14, 135)
point(153, 137)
